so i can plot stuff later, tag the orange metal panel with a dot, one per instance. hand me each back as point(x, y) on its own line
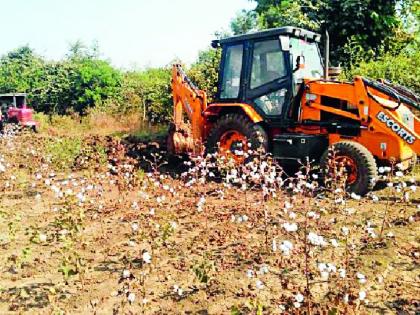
point(248, 109)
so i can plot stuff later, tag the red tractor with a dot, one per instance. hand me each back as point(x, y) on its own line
point(14, 110)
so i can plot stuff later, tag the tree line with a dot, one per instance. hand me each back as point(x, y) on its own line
point(375, 38)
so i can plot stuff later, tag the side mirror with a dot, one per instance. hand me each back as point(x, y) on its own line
point(300, 63)
point(215, 44)
point(284, 42)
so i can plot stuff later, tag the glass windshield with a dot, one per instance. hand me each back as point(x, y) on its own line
point(311, 59)
point(267, 63)
point(231, 78)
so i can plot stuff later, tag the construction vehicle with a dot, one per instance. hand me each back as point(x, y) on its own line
point(14, 110)
point(274, 94)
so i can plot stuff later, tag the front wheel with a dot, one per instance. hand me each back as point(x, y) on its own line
point(358, 164)
point(234, 135)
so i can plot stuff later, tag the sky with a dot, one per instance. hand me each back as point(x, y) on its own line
point(130, 33)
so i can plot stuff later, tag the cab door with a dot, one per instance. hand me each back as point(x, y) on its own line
point(268, 79)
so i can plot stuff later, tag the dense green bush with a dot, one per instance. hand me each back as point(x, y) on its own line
point(149, 92)
point(75, 83)
point(403, 69)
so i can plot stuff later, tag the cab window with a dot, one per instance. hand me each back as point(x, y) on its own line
point(231, 78)
point(267, 63)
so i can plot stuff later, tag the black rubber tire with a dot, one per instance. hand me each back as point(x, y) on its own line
point(254, 133)
point(367, 171)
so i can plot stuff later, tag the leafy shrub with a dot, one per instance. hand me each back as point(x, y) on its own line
point(63, 151)
point(403, 68)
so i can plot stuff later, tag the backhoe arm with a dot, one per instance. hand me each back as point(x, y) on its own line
point(189, 104)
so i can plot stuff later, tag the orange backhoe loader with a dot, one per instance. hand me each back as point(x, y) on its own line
point(274, 94)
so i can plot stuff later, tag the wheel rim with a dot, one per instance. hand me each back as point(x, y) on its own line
point(350, 167)
point(231, 143)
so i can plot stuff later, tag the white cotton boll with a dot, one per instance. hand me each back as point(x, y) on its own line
point(259, 284)
point(299, 298)
point(126, 274)
point(361, 278)
point(274, 246)
point(131, 297)
point(331, 268)
point(316, 240)
point(322, 267)
point(147, 258)
point(345, 230)
point(42, 238)
point(362, 295)
point(134, 227)
point(325, 275)
point(311, 214)
point(290, 227)
point(250, 273)
point(264, 269)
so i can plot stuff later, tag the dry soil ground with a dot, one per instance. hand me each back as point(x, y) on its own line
point(76, 219)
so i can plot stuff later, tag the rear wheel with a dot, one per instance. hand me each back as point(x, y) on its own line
point(358, 163)
point(233, 135)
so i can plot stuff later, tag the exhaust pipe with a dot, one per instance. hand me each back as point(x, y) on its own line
point(327, 55)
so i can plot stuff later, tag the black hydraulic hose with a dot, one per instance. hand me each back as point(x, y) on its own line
point(391, 92)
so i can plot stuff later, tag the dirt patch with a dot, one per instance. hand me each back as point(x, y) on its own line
point(76, 239)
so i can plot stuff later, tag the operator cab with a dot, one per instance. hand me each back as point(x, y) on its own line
point(265, 70)
point(11, 100)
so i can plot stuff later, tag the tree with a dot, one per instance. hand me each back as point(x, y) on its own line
point(150, 92)
point(372, 24)
point(20, 70)
point(244, 22)
point(204, 72)
point(300, 13)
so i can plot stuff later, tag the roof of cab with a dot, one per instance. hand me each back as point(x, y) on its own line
point(285, 30)
point(13, 94)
